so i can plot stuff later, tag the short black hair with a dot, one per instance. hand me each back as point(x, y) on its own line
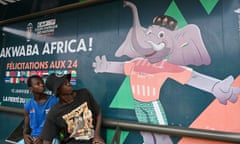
point(29, 81)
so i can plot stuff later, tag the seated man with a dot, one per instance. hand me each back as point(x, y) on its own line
point(77, 116)
point(36, 109)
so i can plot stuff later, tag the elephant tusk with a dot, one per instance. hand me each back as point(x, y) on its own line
point(157, 47)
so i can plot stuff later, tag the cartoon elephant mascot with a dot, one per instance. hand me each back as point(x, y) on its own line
point(160, 52)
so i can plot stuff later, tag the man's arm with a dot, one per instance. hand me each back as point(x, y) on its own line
point(97, 133)
point(98, 123)
point(26, 131)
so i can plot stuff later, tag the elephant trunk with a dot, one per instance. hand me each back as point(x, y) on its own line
point(136, 22)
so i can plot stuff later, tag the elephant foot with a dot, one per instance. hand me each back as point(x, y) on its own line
point(154, 138)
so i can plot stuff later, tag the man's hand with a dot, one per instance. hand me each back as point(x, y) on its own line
point(27, 139)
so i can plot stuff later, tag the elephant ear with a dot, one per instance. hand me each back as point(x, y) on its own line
point(126, 47)
point(189, 48)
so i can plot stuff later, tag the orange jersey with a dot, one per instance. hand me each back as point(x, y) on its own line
point(147, 79)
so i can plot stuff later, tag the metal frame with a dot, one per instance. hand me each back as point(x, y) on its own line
point(52, 11)
point(119, 125)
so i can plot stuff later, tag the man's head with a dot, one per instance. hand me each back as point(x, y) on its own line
point(35, 84)
point(55, 81)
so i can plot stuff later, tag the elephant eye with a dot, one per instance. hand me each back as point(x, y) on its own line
point(161, 34)
point(149, 32)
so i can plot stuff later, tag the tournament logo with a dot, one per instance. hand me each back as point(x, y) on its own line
point(46, 28)
point(29, 31)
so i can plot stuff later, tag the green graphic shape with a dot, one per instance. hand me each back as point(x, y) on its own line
point(174, 12)
point(123, 99)
point(209, 5)
point(110, 135)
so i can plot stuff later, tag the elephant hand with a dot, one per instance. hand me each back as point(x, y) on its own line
point(101, 64)
point(224, 91)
